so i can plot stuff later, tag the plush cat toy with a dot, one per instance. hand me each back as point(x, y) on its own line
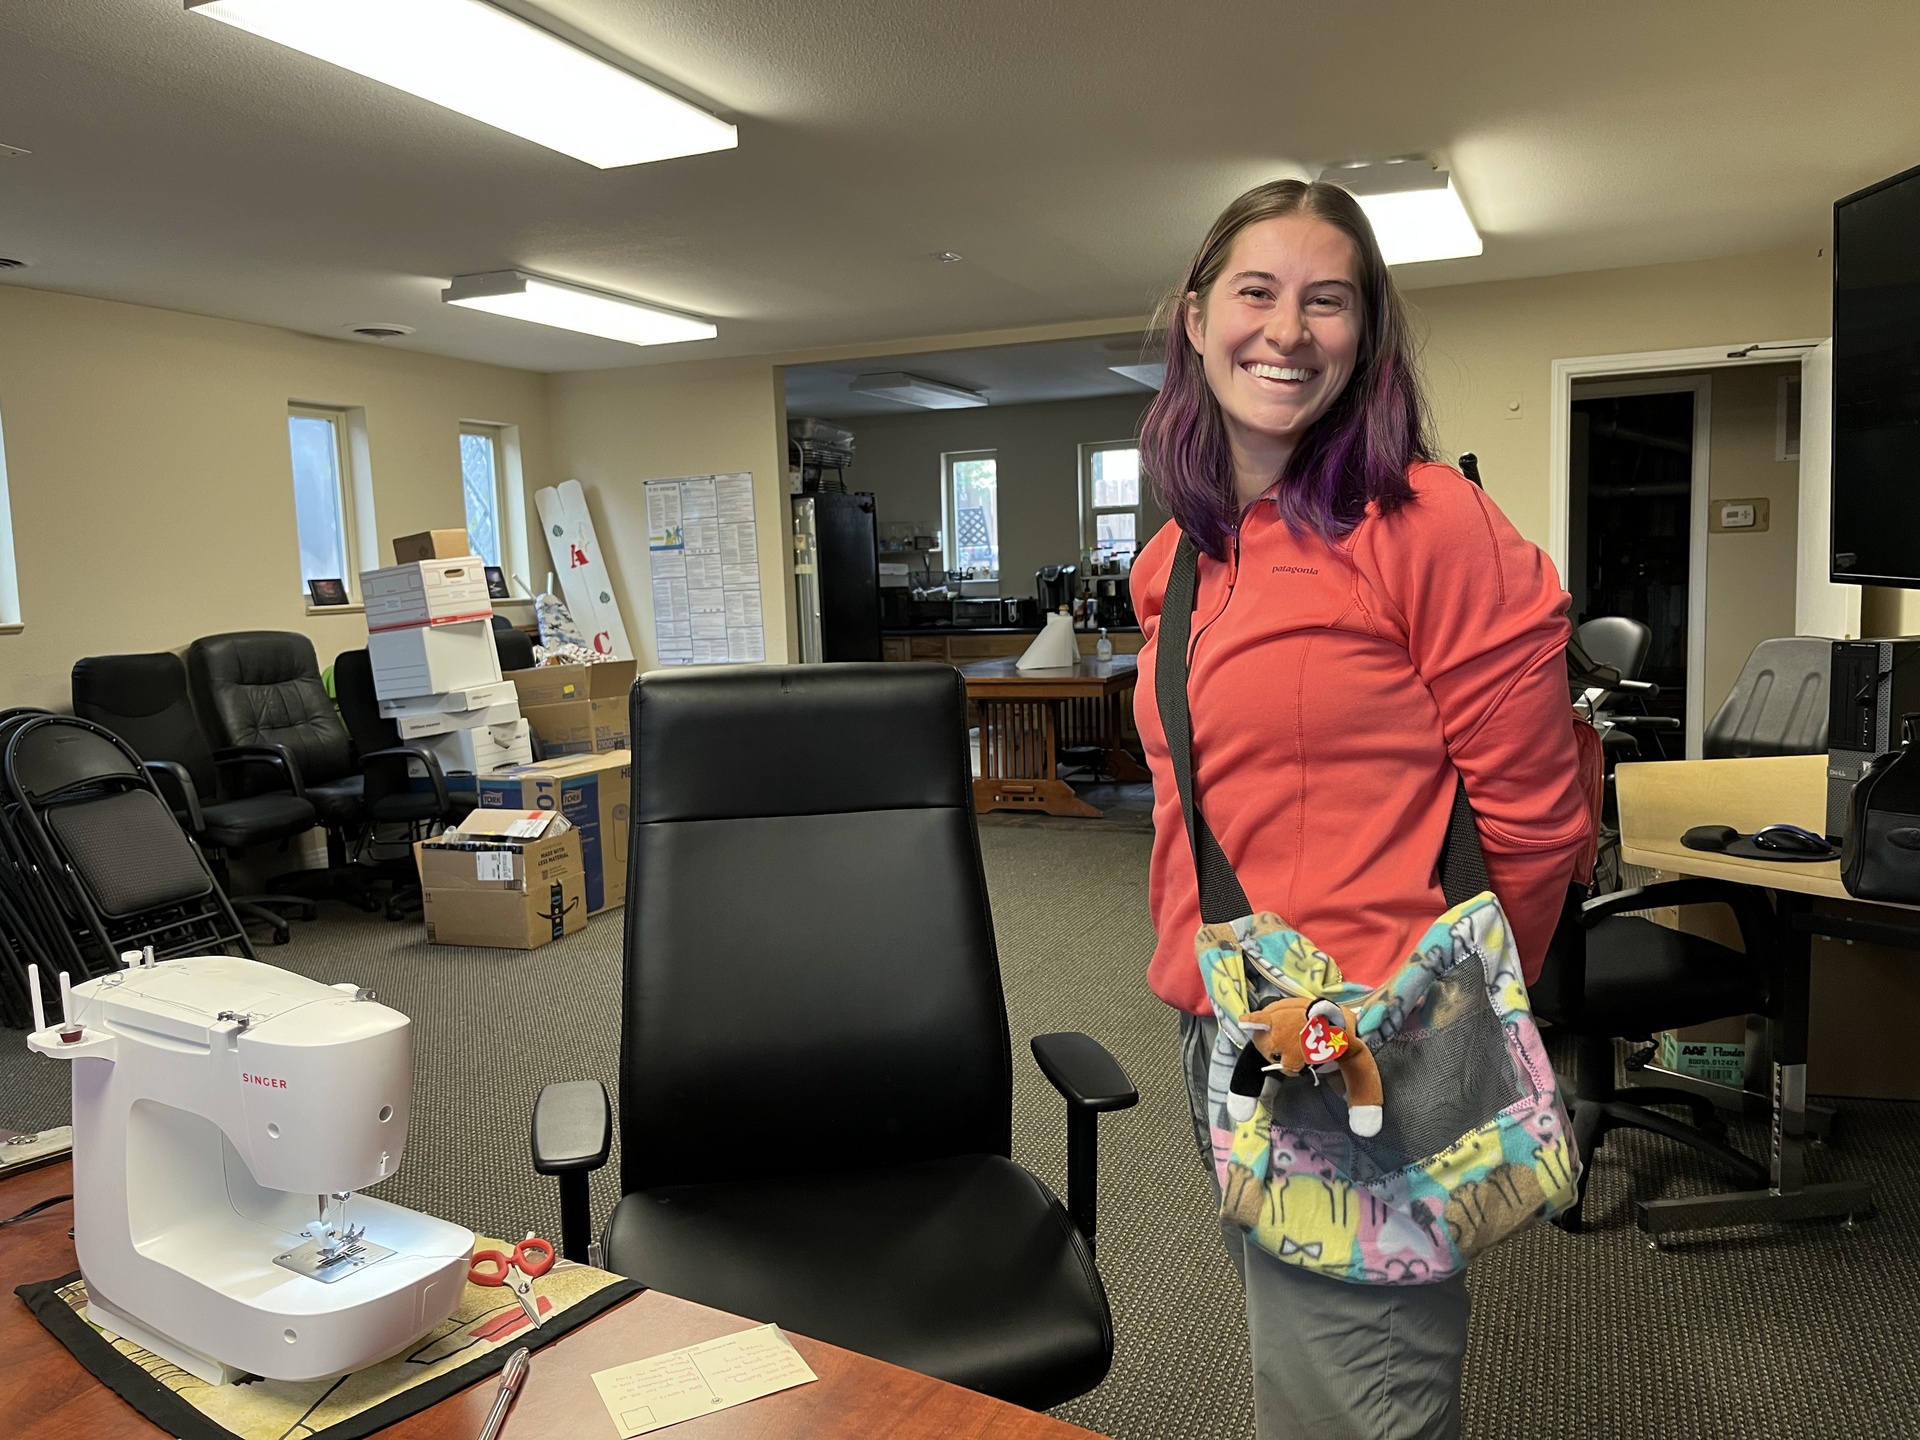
point(1297, 1034)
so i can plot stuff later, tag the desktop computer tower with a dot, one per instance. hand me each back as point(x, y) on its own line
point(1873, 684)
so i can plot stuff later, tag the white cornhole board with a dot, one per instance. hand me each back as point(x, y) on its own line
point(583, 574)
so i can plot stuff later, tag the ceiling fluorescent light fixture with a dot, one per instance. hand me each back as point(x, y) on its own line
point(521, 296)
point(1415, 212)
point(492, 67)
point(1153, 376)
point(913, 390)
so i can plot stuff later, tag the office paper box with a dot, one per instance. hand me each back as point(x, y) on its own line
point(433, 659)
point(468, 698)
point(1722, 1061)
point(483, 748)
point(444, 722)
point(594, 792)
point(426, 592)
point(580, 727)
point(431, 545)
point(483, 885)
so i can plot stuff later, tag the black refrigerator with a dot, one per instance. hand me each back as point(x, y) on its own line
point(836, 574)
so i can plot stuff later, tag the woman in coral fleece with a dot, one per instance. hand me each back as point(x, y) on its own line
point(1367, 624)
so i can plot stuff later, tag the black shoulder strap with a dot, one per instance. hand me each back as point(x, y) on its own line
point(1463, 865)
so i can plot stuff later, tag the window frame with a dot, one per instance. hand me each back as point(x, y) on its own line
point(950, 512)
point(11, 619)
point(1090, 514)
point(509, 500)
point(497, 443)
point(346, 440)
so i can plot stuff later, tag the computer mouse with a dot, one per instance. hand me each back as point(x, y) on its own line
point(1709, 837)
point(1790, 838)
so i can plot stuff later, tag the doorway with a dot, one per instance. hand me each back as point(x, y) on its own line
point(1637, 488)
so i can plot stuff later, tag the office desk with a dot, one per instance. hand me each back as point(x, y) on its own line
point(1659, 802)
point(45, 1394)
point(1026, 716)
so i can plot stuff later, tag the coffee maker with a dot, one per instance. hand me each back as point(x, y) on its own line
point(1055, 586)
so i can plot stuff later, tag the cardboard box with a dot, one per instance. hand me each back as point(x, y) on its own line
point(1722, 1061)
point(595, 793)
point(467, 698)
point(431, 545)
point(433, 659)
point(505, 880)
point(483, 748)
point(577, 709)
point(426, 592)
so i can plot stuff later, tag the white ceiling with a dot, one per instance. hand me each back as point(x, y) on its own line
point(1004, 374)
point(1071, 151)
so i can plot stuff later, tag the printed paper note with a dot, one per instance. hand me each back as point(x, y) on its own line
point(666, 1389)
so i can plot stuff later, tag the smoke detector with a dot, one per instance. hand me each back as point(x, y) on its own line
point(381, 329)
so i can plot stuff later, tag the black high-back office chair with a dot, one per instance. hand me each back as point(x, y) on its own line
point(263, 687)
point(83, 811)
point(390, 765)
point(815, 1076)
point(514, 645)
point(143, 699)
point(1626, 730)
point(1778, 706)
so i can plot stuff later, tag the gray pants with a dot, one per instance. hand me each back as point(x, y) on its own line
point(1334, 1361)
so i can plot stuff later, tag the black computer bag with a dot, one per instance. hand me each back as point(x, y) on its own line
point(1880, 856)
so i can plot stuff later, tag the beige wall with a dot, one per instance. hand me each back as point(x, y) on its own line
point(1037, 447)
point(1490, 348)
point(151, 493)
point(615, 429)
point(1750, 576)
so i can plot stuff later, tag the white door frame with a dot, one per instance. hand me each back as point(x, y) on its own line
point(1701, 388)
point(1814, 478)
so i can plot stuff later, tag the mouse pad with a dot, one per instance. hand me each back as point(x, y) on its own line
point(1745, 849)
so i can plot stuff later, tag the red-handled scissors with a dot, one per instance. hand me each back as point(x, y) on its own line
point(516, 1268)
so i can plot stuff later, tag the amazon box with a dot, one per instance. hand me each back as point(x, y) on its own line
point(503, 879)
point(594, 793)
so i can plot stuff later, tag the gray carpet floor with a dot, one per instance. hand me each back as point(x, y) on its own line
point(1789, 1332)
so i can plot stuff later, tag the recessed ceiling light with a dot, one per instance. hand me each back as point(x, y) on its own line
point(1152, 376)
point(566, 306)
point(381, 329)
point(13, 150)
point(915, 390)
point(1415, 212)
point(492, 67)
point(949, 257)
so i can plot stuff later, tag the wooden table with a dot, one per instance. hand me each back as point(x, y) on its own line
point(1659, 802)
point(1028, 716)
point(45, 1394)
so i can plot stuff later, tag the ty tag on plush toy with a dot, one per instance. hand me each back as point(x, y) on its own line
point(1321, 1041)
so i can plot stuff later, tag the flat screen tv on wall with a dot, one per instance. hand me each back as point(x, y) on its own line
point(1876, 384)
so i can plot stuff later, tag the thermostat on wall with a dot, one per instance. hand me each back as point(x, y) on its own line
point(1747, 516)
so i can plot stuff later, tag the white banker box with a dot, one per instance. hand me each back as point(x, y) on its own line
point(433, 659)
point(483, 749)
point(426, 592)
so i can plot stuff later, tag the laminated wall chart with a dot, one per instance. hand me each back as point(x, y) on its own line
point(705, 561)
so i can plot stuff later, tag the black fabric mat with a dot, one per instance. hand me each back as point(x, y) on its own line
point(135, 1385)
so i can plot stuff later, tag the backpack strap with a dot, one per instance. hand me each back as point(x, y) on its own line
point(1462, 863)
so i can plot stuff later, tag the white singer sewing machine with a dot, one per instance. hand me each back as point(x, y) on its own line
point(223, 1113)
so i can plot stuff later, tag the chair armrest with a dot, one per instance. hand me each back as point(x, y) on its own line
point(402, 755)
point(1091, 1081)
point(572, 1127)
point(1642, 722)
point(1755, 917)
point(1079, 1067)
point(572, 1133)
point(277, 755)
point(176, 788)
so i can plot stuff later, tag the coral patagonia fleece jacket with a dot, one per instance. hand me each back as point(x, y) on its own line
point(1335, 688)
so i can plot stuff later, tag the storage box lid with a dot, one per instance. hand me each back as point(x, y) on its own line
point(512, 824)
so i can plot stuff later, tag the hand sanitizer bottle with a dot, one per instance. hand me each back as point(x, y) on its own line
point(1103, 648)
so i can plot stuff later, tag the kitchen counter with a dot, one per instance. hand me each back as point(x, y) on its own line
point(962, 645)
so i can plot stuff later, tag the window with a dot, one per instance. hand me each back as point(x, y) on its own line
point(322, 501)
point(973, 513)
point(1110, 499)
point(9, 581)
point(480, 478)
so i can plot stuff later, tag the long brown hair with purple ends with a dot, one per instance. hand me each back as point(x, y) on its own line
point(1355, 454)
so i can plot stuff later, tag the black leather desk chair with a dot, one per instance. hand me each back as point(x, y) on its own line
point(388, 764)
point(815, 1074)
point(513, 644)
point(143, 699)
point(263, 687)
point(1778, 706)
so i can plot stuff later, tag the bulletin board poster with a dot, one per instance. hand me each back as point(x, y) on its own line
point(704, 555)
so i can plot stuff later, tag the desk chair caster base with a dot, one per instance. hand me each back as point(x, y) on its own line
point(1847, 1200)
